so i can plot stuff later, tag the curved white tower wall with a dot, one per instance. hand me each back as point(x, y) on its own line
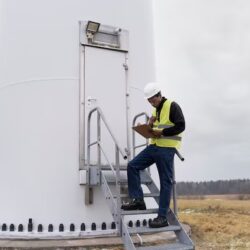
point(40, 67)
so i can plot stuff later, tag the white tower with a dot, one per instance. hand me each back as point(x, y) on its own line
point(48, 77)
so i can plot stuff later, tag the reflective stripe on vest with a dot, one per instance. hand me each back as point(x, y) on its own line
point(174, 137)
point(165, 126)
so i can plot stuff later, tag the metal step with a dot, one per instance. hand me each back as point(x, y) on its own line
point(137, 212)
point(145, 195)
point(172, 246)
point(107, 167)
point(111, 179)
point(142, 230)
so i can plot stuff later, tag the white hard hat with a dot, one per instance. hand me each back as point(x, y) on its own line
point(151, 89)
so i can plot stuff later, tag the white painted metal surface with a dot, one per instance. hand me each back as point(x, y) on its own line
point(39, 104)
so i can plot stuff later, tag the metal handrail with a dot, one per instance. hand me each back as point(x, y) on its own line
point(179, 155)
point(100, 113)
point(133, 132)
point(118, 151)
point(106, 157)
point(174, 184)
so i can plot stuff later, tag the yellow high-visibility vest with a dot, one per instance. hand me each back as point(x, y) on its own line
point(165, 141)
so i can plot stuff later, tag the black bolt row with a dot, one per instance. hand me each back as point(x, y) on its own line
point(51, 228)
point(72, 226)
point(138, 223)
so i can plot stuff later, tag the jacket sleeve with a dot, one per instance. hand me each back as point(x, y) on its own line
point(176, 116)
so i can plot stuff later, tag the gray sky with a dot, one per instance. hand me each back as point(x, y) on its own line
point(202, 56)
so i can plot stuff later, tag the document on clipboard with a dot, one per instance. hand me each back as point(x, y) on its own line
point(144, 130)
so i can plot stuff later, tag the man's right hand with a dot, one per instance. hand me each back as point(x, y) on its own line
point(151, 121)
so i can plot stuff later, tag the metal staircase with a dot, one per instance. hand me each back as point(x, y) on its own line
point(111, 182)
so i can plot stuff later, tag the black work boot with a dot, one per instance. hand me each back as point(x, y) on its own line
point(160, 221)
point(135, 204)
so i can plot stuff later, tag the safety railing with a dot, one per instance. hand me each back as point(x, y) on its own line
point(174, 184)
point(100, 150)
point(134, 147)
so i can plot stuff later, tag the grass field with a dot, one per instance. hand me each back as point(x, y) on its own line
point(217, 222)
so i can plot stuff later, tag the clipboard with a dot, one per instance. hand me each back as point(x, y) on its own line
point(144, 130)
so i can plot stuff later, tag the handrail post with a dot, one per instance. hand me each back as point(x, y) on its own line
point(98, 138)
point(133, 135)
point(88, 189)
point(174, 184)
point(118, 191)
point(133, 132)
point(88, 142)
point(174, 192)
point(98, 144)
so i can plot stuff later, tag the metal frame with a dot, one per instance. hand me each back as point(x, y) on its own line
point(127, 240)
point(125, 65)
point(114, 206)
point(82, 159)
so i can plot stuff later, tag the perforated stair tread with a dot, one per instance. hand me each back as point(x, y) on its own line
point(145, 195)
point(141, 230)
point(175, 227)
point(133, 212)
point(111, 179)
point(107, 167)
point(172, 246)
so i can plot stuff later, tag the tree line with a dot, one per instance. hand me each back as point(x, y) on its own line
point(238, 186)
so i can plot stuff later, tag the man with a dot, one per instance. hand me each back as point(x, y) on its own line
point(167, 123)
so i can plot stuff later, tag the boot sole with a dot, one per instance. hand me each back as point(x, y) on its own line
point(131, 209)
point(156, 226)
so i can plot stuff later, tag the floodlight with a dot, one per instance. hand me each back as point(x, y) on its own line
point(92, 27)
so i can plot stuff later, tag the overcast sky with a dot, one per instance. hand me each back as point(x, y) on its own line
point(203, 61)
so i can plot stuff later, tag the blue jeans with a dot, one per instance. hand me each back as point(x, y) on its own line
point(163, 157)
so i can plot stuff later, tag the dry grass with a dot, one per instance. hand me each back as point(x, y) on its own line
point(217, 223)
point(217, 196)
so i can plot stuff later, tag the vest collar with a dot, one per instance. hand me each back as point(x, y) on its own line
point(158, 109)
